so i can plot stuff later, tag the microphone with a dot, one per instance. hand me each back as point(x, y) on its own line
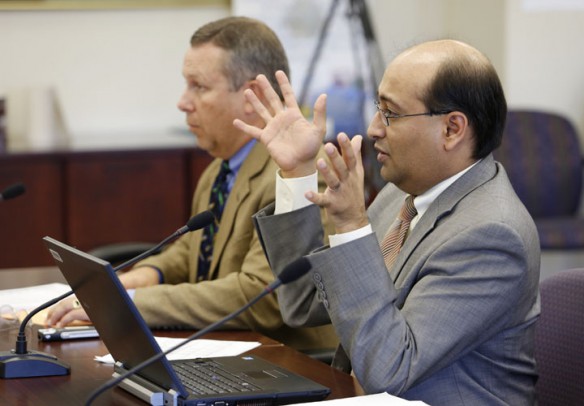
point(12, 191)
point(290, 273)
point(21, 363)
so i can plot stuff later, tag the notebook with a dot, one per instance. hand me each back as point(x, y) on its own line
point(254, 381)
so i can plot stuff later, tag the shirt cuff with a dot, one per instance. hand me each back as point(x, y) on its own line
point(157, 269)
point(338, 239)
point(160, 275)
point(290, 192)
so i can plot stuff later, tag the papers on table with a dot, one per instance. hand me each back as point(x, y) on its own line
point(22, 300)
point(33, 296)
point(378, 399)
point(200, 348)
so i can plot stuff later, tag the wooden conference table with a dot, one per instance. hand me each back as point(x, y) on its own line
point(87, 374)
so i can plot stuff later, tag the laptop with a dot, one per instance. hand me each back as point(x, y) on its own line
point(250, 380)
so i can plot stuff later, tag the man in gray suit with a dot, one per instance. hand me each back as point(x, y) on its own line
point(451, 320)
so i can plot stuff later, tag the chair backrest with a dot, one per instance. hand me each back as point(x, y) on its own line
point(559, 339)
point(541, 154)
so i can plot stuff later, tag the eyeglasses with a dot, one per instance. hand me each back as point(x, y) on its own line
point(386, 116)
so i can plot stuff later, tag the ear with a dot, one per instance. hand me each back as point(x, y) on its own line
point(456, 130)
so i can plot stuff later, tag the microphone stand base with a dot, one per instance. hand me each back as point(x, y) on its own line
point(31, 364)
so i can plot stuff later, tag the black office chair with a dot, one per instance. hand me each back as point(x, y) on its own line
point(118, 253)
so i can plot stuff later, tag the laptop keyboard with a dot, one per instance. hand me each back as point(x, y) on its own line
point(207, 377)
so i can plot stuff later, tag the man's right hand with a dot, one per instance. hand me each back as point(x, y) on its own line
point(69, 310)
point(65, 312)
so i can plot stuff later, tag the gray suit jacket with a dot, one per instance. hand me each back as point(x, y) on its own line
point(452, 322)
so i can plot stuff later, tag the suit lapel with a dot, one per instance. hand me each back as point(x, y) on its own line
point(443, 206)
point(252, 167)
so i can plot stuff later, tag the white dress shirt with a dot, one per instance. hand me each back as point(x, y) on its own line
point(290, 196)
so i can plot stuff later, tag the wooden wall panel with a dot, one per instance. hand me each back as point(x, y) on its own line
point(88, 199)
point(125, 196)
point(24, 220)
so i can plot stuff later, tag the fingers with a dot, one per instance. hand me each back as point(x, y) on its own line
point(270, 95)
point(319, 119)
point(65, 312)
point(286, 89)
point(337, 171)
point(330, 176)
point(357, 143)
point(339, 167)
point(273, 104)
point(55, 313)
point(342, 162)
point(250, 130)
point(71, 316)
point(350, 149)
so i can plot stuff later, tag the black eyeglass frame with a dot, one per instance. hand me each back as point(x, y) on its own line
point(386, 116)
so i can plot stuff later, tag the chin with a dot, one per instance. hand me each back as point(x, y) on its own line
point(386, 174)
point(204, 145)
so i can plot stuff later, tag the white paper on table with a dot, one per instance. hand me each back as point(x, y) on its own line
point(31, 297)
point(377, 399)
point(201, 348)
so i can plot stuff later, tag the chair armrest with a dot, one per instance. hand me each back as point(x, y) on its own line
point(120, 252)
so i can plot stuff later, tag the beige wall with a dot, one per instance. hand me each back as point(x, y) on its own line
point(544, 60)
point(480, 23)
point(114, 71)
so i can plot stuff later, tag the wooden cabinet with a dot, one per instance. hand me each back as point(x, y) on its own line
point(90, 198)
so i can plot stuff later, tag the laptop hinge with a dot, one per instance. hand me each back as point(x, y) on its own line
point(148, 392)
point(163, 399)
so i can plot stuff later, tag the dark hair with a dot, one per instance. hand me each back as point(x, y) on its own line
point(471, 85)
point(253, 48)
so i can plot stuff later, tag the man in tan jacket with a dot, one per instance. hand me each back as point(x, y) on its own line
point(182, 286)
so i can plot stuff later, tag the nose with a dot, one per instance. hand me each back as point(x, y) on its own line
point(184, 103)
point(376, 127)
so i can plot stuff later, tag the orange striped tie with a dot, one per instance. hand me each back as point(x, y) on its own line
point(395, 237)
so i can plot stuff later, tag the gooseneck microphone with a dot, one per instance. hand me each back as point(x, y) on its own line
point(289, 274)
point(12, 191)
point(21, 363)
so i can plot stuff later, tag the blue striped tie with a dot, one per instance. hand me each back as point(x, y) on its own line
point(219, 193)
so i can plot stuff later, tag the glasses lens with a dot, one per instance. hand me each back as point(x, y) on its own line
point(384, 118)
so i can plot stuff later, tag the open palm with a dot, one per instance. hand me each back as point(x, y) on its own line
point(290, 138)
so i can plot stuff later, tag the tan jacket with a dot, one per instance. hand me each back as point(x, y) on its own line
point(239, 270)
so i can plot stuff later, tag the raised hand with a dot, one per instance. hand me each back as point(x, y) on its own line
point(292, 141)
